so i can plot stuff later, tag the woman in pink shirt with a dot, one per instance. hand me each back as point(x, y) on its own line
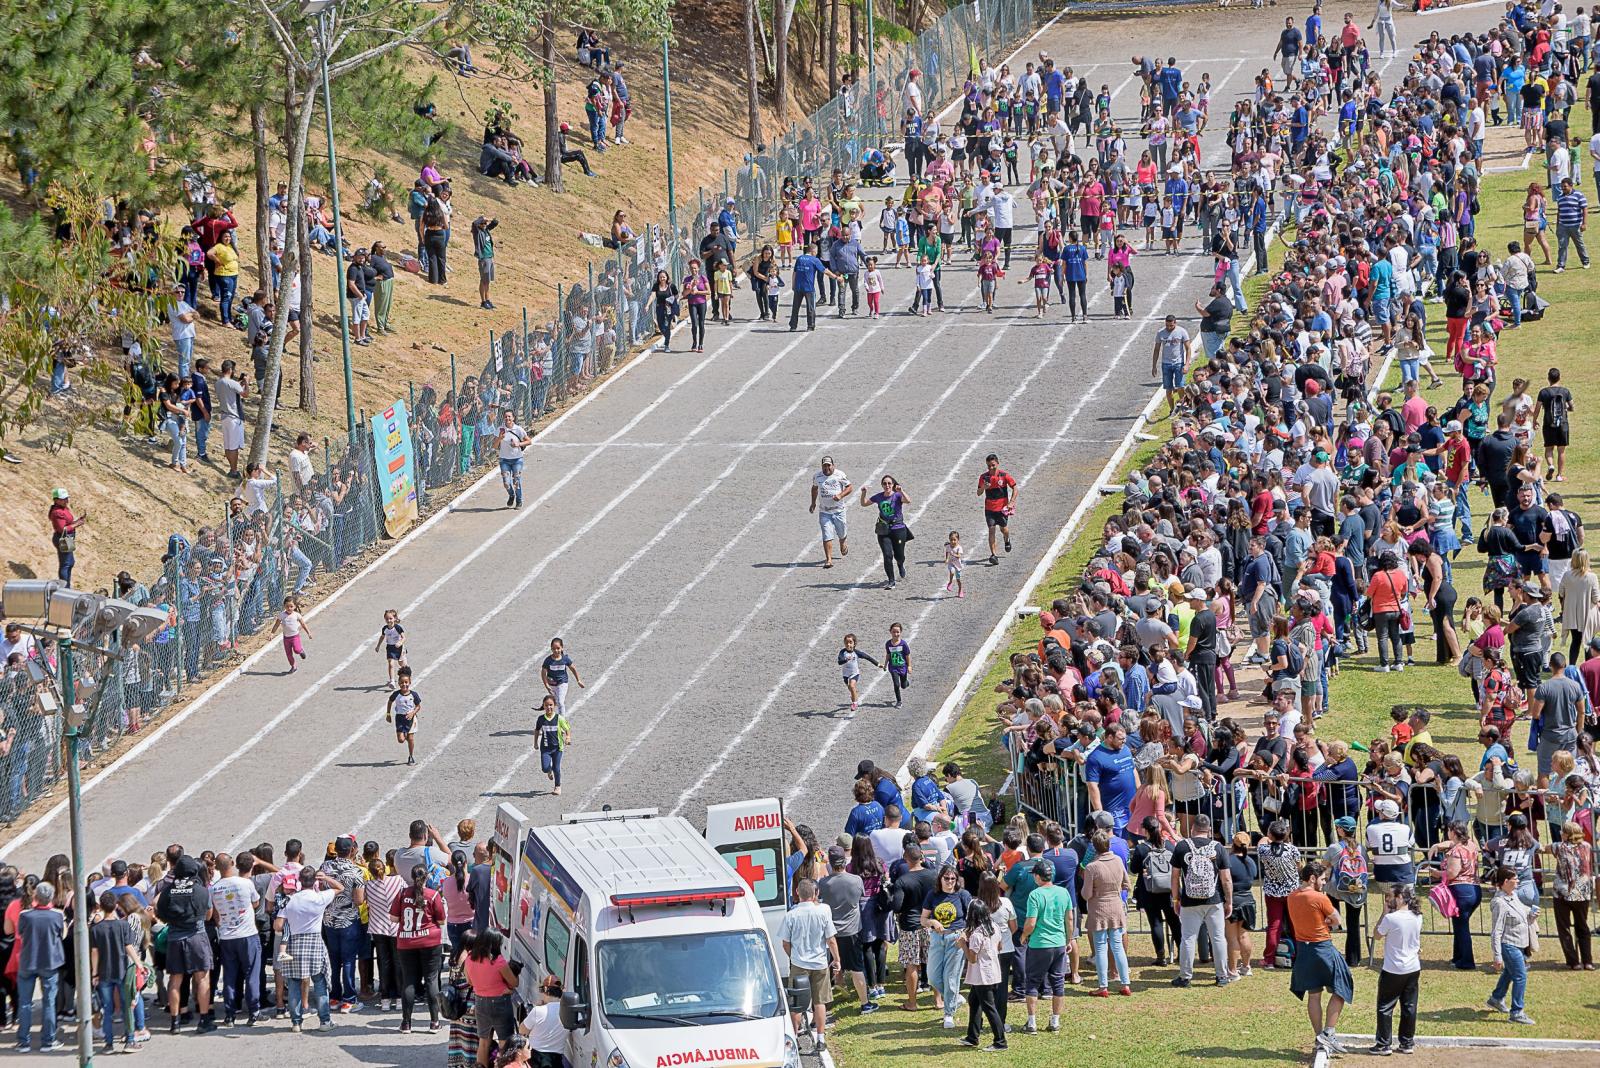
point(1121, 255)
point(810, 216)
point(493, 984)
point(457, 903)
point(1092, 205)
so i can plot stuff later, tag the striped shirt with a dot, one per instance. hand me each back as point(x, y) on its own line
point(1571, 208)
point(380, 895)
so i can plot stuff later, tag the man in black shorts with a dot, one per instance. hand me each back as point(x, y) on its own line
point(842, 892)
point(999, 493)
point(1554, 413)
point(183, 905)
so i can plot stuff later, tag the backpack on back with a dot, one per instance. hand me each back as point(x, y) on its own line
point(436, 871)
point(1158, 870)
point(1200, 870)
point(1350, 874)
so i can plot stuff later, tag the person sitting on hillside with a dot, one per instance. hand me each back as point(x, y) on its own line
point(591, 53)
point(876, 167)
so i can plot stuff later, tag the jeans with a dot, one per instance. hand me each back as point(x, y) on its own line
point(47, 982)
point(303, 567)
point(344, 946)
point(1109, 941)
point(511, 476)
point(191, 649)
point(1464, 509)
point(1277, 913)
point(202, 435)
point(809, 300)
point(1515, 297)
point(1190, 922)
point(1387, 627)
point(1397, 989)
point(185, 348)
point(946, 962)
point(241, 973)
point(1236, 287)
point(550, 764)
point(227, 285)
point(1212, 342)
point(319, 997)
point(1573, 234)
point(180, 441)
point(1513, 977)
point(853, 283)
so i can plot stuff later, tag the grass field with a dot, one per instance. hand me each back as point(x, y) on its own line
point(1258, 1020)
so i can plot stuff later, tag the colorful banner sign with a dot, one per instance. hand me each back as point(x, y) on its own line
point(395, 469)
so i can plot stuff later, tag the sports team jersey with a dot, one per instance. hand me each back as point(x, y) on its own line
point(404, 704)
point(995, 489)
point(421, 919)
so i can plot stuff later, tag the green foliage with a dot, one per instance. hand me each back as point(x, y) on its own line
point(885, 30)
point(68, 293)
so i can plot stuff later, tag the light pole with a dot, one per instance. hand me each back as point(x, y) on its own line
point(666, 114)
point(322, 10)
point(63, 611)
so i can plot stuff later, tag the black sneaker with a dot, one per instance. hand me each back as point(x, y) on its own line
point(1008, 545)
point(176, 1023)
point(965, 1041)
point(1380, 1051)
point(511, 500)
point(1180, 981)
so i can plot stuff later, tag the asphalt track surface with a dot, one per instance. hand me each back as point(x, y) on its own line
point(666, 538)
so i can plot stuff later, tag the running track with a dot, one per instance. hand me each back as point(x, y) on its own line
point(666, 538)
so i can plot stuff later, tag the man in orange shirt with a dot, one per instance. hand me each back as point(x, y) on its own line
point(1318, 967)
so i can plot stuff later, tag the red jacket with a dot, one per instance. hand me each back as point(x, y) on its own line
point(61, 519)
point(210, 230)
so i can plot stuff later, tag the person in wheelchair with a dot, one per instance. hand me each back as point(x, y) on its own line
point(876, 168)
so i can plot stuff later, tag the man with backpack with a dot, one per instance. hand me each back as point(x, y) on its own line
point(1202, 895)
point(424, 841)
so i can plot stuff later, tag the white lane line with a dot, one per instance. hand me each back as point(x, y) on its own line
point(835, 444)
point(710, 567)
point(492, 616)
point(683, 513)
point(361, 648)
point(928, 610)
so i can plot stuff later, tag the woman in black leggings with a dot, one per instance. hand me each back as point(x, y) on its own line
point(1154, 902)
point(666, 295)
point(890, 528)
point(696, 291)
point(421, 914)
point(435, 239)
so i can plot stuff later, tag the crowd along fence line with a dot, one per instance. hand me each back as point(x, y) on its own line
point(1055, 790)
point(222, 584)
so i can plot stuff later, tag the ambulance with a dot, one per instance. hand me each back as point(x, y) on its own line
point(660, 941)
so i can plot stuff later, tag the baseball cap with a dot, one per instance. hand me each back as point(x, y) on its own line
point(837, 855)
point(1047, 619)
point(1387, 809)
point(1453, 427)
point(1104, 821)
point(866, 767)
point(1192, 701)
point(58, 494)
point(1345, 823)
point(1198, 593)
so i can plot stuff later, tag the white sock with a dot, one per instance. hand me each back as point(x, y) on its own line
point(1032, 1020)
point(1055, 1021)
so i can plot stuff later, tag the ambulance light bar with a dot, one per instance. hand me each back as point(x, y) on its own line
point(676, 897)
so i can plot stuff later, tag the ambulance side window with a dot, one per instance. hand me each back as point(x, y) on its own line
point(557, 940)
point(580, 975)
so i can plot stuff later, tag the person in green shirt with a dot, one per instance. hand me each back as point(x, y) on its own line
point(1044, 934)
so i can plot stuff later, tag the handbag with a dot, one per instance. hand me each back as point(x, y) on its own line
point(457, 998)
point(1444, 901)
point(1469, 666)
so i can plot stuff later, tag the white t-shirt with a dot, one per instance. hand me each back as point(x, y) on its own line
point(257, 489)
point(300, 468)
point(509, 447)
point(545, 1033)
point(180, 329)
point(290, 621)
point(1389, 843)
point(1402, 942)
point(827, 487)
point(235, 899)
point(1174, 346)
point(889, 843)
point(304, 911)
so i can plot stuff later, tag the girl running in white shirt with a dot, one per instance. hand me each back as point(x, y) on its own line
point(873, 282)
point(848, 660)
point(293, 625)
point(954, 560)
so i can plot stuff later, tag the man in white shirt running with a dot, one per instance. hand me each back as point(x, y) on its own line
point(830, 493)
point(512, 441)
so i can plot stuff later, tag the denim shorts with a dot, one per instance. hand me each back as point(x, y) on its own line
point(1171, 377)
point(834, 526)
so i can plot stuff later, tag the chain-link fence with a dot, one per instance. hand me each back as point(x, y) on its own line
point(226, 582)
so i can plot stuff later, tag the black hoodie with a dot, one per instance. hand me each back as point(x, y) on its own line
point(187, 900)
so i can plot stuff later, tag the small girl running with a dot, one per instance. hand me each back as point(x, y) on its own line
point(848, 659)
point(923, 304)
point(955, 558)
point(1040, 274)
point(392, 643)
point(722, 289)
point(872, 280)
point(293, 625)
point(405, 705)
point(888, 223)
point(897, 661)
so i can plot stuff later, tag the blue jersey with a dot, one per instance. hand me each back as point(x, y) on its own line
point(806, 269)
point(557, 668)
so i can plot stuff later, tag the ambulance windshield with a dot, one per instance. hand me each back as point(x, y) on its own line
point(696, 979)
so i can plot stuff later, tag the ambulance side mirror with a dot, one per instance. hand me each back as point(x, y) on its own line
point(574, 1013)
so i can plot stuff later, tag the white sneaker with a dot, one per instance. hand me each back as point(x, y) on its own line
point(949, 1022)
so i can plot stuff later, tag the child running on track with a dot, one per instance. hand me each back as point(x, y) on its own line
point(392, 643)
point(955, 557)
point(897, 660)
point(293, 625)
point(923, 304)
point(554, 671)
point(405, 705)
point(1040, 273)
point(848, 657)
point(553, 733)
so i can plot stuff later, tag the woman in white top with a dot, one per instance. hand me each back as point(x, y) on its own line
point(981, 942)
point(1579, 590)
point(1512, 935)
point(1401, 931)
point(1183, 769)
point(547, 1039)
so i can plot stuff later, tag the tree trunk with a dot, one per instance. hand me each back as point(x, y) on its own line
point(308, 377)
point(552, 120)
point(258, 140)
point(780, 36)
point(297, 122)
point(855, 37)
point(752, 81)
point(833, 48)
